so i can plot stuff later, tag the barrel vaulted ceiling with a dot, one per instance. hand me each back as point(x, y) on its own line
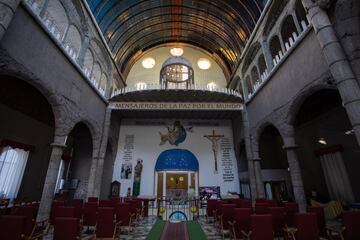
point(220, 27)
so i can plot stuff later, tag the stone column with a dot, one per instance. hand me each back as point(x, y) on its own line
point(93, 170)
point(257, 169)
point(252, 177)
point(267, 55)
point(295, 171)
point(7, 10)
point(102, 151)
point(295, 174)
point(164, 185)
point(338, 63)
point(50, 181)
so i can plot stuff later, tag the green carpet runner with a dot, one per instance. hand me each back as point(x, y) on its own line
point(194, 230)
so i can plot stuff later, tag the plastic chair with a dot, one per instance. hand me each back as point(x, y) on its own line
point(12, 227)
point(211, 204)
point(291, 209)
point(261, 227)
point(93, 199)
point(241, 222)
point(67, 228)
point(227, 216)
point(278, 219)
point(261, 208)
point(319, 211)
point(124, 215)
point(78, 205)
point(105, 225)
point(105, 203)
point(351, 221)
point(89, 214)
point(307, 226)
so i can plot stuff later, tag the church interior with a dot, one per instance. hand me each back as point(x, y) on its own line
point(180, 119)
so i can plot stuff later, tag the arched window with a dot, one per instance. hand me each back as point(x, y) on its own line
point(275, 49)
point(103, 84)
point(262, 67)
point(301, 15)
point(72, 42)
point(255, 77)
point(56, 19)
point(96, 74)
point(249, 85)
point(88, 62)
point(289, 32)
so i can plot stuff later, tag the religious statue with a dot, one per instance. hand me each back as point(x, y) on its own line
point(214, 139)
point(137, 177)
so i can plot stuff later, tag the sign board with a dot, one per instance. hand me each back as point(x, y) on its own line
point(176, 106)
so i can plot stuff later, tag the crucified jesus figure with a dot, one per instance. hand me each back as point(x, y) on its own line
point(214, 139)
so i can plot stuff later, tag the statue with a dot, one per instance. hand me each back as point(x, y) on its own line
point(137, 177)
point(214, 139)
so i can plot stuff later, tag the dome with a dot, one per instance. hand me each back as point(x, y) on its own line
point(177, 159)
point(177, 61)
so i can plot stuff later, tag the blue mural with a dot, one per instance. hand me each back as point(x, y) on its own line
point(177, 159)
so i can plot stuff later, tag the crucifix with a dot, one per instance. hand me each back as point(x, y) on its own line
point(214, 139)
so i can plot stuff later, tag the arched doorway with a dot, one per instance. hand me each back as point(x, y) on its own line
point(176, 174)
point(274, 165)
point(26, 131)
point(73, 175)
point(323, 133)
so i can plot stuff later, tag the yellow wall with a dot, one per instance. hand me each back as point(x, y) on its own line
point(202, 77)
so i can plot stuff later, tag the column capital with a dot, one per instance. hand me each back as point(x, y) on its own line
point(290, 146)
point(59, 145)
point(256, 159)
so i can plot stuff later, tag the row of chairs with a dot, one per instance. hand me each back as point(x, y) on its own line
point(107, 217)
point(240, 220)
point(21, 224)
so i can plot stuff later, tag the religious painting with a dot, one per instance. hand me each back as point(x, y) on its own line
point(175, 134)
point(126, 171)
point(209, 192)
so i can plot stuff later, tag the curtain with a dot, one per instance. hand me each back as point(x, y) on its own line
point(336, 177)
point(12, 166)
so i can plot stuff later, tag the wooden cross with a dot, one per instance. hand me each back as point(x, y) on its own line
point(215, 146)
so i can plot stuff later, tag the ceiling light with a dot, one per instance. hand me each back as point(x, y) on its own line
point(349, 132)
point(322, 141)
point(176, 52)
point(204, 63)
point(148, 63)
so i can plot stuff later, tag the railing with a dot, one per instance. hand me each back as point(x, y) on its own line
point(176, 87)
point(69, 50)
point(289, 45)
point(189, 208)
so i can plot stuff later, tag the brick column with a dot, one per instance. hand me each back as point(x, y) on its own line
point(7, 11)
